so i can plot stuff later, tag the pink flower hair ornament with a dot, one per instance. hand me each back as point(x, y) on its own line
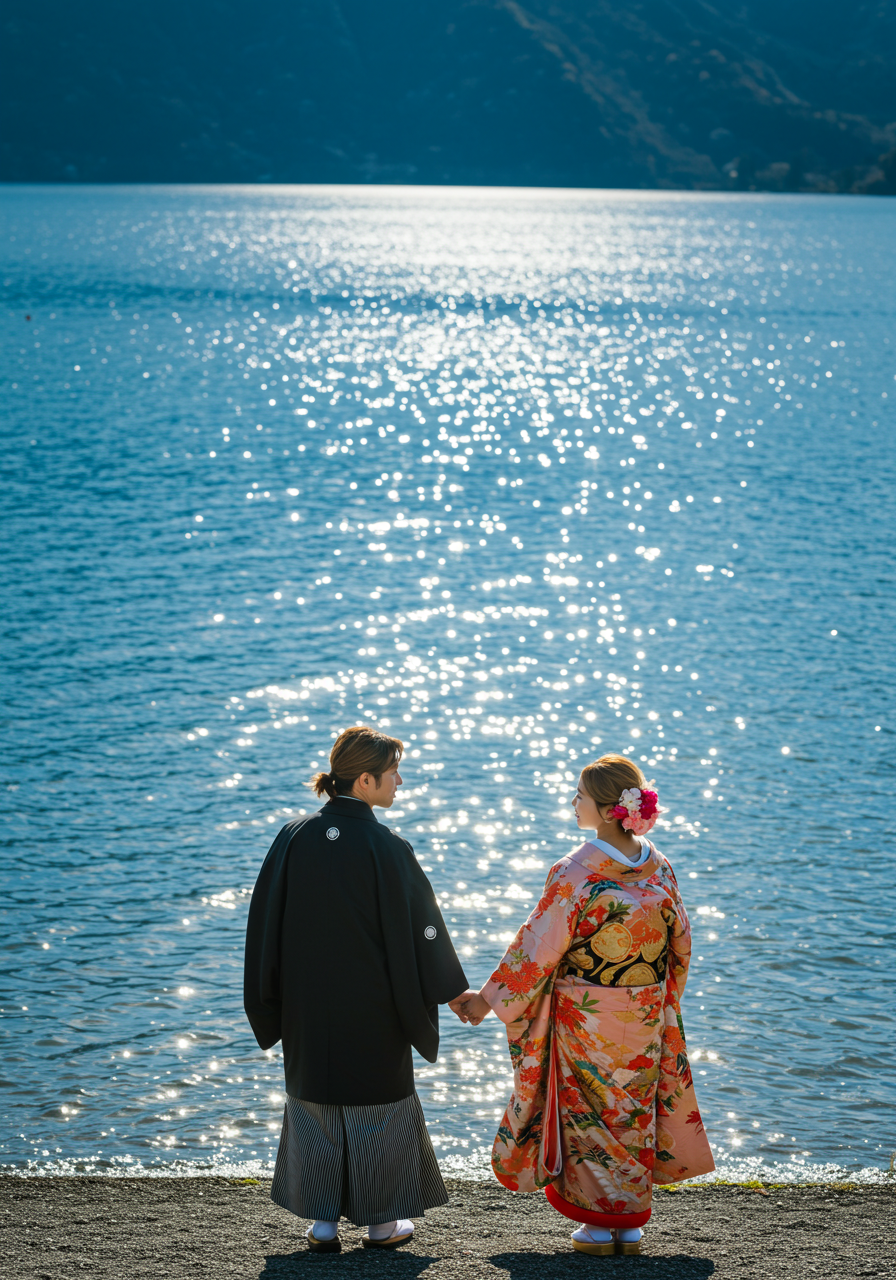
point(637, 810)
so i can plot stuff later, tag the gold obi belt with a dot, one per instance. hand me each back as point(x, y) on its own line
point(620, 955)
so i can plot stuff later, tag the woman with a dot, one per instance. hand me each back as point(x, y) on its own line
point(347, 960)
point(603, 1103)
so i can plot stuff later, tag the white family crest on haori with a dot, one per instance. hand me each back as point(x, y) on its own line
point(429, 932)
point(333, 833)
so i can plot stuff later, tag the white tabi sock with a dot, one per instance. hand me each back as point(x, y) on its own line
point(382, 1230)
point(593, 1235)
point(325, 1230)
point(385, 1230)
point(629, 1235)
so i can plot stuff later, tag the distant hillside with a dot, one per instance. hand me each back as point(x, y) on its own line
point(763, 94)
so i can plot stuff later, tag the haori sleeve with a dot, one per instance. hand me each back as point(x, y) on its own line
point(424, 969)
point(264, 930)
point(679, 937)
point(532, 958)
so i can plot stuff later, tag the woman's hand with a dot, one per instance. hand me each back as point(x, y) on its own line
point(470, 1007)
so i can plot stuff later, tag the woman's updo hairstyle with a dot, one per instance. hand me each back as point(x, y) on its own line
point(607, 778)
point(357, 750)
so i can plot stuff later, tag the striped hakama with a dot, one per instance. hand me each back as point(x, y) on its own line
point(369, 1164)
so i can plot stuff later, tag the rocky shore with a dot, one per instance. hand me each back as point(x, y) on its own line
point(169, 1228)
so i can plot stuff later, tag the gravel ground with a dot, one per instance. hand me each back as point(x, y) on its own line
point(169, 1228)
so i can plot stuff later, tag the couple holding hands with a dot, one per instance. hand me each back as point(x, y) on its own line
point(348, 959)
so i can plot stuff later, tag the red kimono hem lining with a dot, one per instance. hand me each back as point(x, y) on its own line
point(611, 1221)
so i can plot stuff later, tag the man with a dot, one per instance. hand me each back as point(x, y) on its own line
point(347, 960)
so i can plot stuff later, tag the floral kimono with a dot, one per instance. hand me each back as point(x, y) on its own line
point(603, 1103)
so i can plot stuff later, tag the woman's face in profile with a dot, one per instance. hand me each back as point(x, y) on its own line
point(585, 808)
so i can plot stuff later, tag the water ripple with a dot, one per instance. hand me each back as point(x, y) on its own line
point(522, 477)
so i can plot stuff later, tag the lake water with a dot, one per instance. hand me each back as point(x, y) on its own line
point(522, 476)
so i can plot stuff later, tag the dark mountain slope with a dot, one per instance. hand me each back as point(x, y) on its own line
point(642, 93)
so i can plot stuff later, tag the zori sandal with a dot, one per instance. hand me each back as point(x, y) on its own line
point(404, 1230)
point(322, 1246)
point(596, 1241)
point(628, 1241)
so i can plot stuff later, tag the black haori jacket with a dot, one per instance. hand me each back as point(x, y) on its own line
point(347, 958)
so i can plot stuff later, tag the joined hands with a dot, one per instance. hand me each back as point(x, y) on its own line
point(470, 1006)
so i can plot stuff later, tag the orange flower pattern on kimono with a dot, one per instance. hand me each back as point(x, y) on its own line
point(603, 1103)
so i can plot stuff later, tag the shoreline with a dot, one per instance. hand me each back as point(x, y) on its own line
point(740, 1172)
point(881, 1179)
point(146, 1227)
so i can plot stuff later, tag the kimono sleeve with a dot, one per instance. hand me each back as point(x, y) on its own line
point(679, 937)
point(264, 929)
point(423, 967)
point(536, 951)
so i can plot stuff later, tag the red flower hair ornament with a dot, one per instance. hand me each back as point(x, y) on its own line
point(637, 810)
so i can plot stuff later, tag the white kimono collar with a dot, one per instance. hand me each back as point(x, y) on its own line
point(619, 857)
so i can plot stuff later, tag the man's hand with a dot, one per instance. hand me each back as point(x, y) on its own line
point(477, 1008)
point(470, 1007)
point(458, 1004)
